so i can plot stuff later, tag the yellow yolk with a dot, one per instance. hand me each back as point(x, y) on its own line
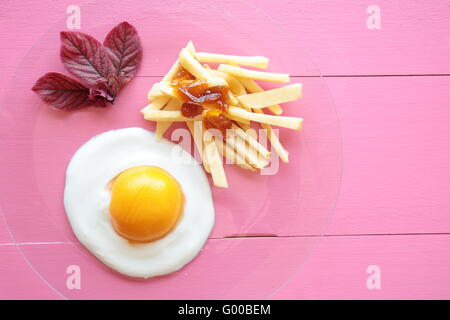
point(146, 203)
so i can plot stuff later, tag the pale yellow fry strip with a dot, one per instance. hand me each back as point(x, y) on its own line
point(250, 131)
point(193, 66)
point(253, 61)
point(256, 75)
point(233, 100)
point(209, 70)
point(191, 49)
point(274, 141)
point(238, 119)
point(244, 126)
point(154, 92)
point(286, 122)
point(240, 105)
point(252, 87)
point(162, 115)
point(276, 109)
point(214, 161)
point(271, 97)
point(252, 142)
point(232, 156)
point(176, 66)
point(157, 104)
point(162, 126)
point(169, 91)
point(172, 72)
point(196, 129)
point(239, 145)
point(235, 85)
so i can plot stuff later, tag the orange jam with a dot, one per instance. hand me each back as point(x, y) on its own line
point(216, 119)
point(197, 96)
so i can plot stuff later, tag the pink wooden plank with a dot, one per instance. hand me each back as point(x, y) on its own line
point(4, 234)
point(395, 147)
point(401, 157)
point(39, 142)
point(333, 33)
point(412, 267)
point(18, 281)
point(226, 268)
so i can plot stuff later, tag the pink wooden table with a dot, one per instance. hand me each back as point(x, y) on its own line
point(391, 91)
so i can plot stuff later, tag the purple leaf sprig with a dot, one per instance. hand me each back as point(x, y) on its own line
point(102, 69)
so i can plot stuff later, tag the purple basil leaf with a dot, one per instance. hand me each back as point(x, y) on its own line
point(100, 91)
point(85, 58)
point(64, 93)
point(125, 49)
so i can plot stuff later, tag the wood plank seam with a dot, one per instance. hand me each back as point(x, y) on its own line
point(252, 237)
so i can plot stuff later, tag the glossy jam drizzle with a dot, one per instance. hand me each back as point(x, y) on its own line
point(197, 96)
point(215, 119)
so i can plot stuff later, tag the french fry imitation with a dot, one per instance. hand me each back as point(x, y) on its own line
point(219, 106)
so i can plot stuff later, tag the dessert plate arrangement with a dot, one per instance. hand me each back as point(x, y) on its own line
point(254, 228)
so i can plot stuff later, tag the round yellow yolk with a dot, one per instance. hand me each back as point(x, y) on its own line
point(146, 203)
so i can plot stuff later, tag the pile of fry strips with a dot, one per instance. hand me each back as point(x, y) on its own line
point(247, 103)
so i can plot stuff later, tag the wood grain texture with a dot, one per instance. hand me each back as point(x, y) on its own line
point(336, 36)
point(4, 234)
point(396, 170)
point(394, 132)
point(45, 140)
point(18, 280)
point(412, 267)
point(333, 33)
point(395, 149)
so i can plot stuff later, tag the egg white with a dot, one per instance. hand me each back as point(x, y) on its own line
point(87, 198)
